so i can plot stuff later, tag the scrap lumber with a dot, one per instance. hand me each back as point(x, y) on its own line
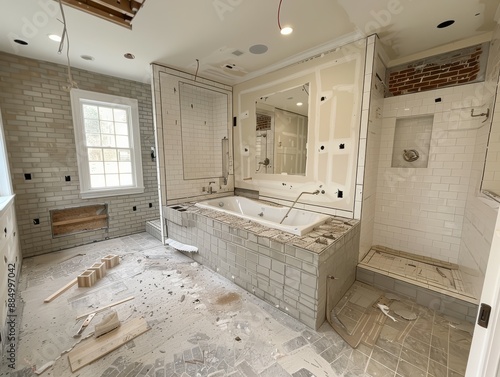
point(111, 260)
point(95, 348)
point(87, 279)
point(60, 291)
point(105, 307)
point(100, 269)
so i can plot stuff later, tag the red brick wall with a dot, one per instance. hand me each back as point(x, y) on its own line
point(458, 67)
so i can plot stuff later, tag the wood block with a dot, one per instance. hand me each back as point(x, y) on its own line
point(100, 269)
point(95, 348)
point(87, 279)
point(111, 260)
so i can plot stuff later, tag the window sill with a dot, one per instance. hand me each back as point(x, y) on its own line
point(5, 202)
point(114, 192)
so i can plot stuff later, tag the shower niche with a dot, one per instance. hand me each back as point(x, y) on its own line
point(412, 140)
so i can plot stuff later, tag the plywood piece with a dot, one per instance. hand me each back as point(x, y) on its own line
point(95, 348)
point(78, 219)
point(61, 291)
point(100, 269)
point(111, 260)
point(87, 279)
point(106, 307)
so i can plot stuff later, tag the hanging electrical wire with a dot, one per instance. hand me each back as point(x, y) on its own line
point(283, 30)
point(65, 36)
point(197, 68)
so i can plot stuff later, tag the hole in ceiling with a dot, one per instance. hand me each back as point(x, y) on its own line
point(87, 57)
point(258, 49)
point(444, 24)
point(128, 55)
point(21, 42)
point(477, 14)
point(237, 53)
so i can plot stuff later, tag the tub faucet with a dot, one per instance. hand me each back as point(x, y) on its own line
point(298, 197)
point(210, 188)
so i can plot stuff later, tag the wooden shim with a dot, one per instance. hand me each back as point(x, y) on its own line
point(61, 290)
point(95, 348)
point(105, 307)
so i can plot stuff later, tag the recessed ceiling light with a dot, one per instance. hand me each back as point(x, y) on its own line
point(444, 24)
point(286, 30)
point(87, 57)
point(21, 42)
point(258, 49)
point(299, 103)
point(54, 37)
point(128, 55)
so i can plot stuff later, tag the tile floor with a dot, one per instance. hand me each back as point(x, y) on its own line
point(203, 325)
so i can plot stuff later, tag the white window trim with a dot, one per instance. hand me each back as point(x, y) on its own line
point(80, 141)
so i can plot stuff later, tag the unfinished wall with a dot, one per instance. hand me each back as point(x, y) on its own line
point(40, 141)
point(449, 69)
point(335, 92)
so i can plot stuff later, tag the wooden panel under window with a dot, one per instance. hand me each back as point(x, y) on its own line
point(78, 219)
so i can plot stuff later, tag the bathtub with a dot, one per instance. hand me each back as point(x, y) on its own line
point(298, 222)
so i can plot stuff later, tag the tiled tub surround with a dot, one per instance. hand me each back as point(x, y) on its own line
point(286, 270)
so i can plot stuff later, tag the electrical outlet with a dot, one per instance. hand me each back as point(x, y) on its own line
point(36, 221)
point(67, 178)
point(134, 208)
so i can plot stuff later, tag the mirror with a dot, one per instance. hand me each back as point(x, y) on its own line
point(281, 132)
point(203, 132)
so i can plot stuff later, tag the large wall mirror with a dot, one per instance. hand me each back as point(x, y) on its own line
point(281, 132)
point(204, 131)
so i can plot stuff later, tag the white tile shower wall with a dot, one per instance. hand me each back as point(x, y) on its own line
point(371, 126)
point(479, 220)
point(421, 210)
point(174, 188)
point(39, 132)
point(201, 131)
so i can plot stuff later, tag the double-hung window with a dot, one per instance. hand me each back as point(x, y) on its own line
point(108, 144)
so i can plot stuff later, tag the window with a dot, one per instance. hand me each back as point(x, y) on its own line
point(108, 144)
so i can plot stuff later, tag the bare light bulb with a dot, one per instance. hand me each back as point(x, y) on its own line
point(286, 30)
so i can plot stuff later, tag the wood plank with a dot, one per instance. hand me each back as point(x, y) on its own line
point(61, 290)
point(105, 307)
point(80, 220)
point(95, 348)
point(97, 12)
point(121, 7)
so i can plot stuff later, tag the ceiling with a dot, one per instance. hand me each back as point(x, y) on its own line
point(220, 33)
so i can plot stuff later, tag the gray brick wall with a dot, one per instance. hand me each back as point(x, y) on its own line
point(40, 140)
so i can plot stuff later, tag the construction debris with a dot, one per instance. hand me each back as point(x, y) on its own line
point(108, 323)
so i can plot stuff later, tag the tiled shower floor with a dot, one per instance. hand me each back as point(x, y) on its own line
point(436, 275)
point(204, 325)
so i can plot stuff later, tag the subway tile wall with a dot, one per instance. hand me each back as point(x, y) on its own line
point(287, 276)
point(371, 127)
point(39, 132)
point(422, 210)
point(175, 185)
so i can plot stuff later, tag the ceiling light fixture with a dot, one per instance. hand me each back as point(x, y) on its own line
point(299, 103)
point(128, 55)
point(283, 30)
point(55, 37)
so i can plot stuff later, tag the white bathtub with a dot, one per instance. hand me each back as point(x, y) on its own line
point(298, 222)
